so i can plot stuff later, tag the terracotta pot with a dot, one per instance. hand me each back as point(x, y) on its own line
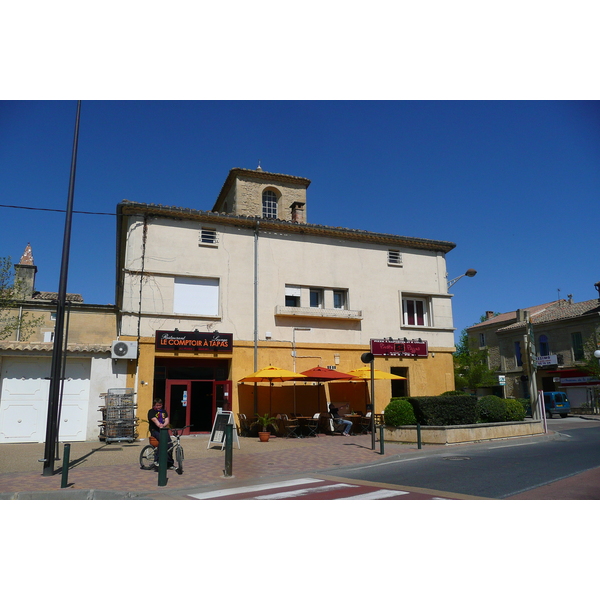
point(264, 436)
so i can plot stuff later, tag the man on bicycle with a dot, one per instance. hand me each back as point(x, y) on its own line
point(159, 419)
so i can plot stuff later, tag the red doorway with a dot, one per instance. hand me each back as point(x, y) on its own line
point(195, 402)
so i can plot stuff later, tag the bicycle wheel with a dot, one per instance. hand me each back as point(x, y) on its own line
point(147, 458)
point(179, 459)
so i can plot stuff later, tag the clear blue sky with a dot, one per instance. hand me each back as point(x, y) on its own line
point(514, 184)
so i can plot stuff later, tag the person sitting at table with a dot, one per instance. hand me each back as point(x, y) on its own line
point(333, 411)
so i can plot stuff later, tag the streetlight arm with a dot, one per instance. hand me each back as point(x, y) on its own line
point(469, 273)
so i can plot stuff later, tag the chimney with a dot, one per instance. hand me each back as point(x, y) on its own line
point(489, 314)
point(522, 315)
point(25, 272)
point(298, 212)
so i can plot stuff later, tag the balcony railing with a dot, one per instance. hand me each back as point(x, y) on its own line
point(322, 313)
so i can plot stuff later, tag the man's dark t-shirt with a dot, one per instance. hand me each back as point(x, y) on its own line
point(160, 416)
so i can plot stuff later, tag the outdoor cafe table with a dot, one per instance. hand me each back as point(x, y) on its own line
point(303, 429)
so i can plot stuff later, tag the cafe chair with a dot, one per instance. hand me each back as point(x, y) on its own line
point(244, 425)
point(365, 423)
point(313, 425)
point(291, 427)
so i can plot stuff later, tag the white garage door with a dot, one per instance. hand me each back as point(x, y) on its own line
point(24, 399)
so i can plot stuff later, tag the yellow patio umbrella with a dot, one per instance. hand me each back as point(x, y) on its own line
point(272, 374)
point(365, 373)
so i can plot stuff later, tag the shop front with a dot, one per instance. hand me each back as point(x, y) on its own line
point(193, 377)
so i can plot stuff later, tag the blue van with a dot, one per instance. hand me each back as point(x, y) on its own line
point(556, 403)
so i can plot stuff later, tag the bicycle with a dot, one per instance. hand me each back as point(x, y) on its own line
point(147, 461)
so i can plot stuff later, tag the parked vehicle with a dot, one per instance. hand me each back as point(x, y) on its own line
point(556, 403)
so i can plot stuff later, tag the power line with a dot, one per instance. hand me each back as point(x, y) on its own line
point(81, 212)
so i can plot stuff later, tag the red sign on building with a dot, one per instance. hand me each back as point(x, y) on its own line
point(390, 347)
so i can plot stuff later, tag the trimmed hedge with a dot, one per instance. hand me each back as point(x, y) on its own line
point(515, 410)
point(493, 409)
point(399, 412)
point(444, 410)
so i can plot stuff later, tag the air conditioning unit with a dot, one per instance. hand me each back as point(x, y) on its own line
point(124, 350)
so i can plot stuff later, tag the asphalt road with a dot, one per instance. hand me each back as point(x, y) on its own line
point(494, 470)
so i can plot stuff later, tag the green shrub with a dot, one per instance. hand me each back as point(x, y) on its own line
point(515, 410)
point(399, 412)
point(452, 393)
point(445, 410)
point(491, 409)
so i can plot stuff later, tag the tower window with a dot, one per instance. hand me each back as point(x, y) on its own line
point(269, 204)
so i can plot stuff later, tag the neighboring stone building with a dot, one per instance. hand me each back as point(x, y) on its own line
point(208, 297)
point(560, 331)
point(25, 365)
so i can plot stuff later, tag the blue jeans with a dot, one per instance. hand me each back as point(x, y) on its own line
point(348, 424)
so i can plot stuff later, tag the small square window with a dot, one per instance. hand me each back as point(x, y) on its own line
point(208, 236)
point(395, 258)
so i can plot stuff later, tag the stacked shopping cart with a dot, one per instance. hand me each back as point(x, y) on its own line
point(119, 423)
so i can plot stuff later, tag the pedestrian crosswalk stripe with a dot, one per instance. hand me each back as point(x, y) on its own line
point(303, 492)
point(254, 488)
point(377, 495)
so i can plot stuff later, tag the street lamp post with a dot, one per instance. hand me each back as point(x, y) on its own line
point(468, 273)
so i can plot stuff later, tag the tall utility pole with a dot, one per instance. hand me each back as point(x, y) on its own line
point(530, 359)
point(57, 350)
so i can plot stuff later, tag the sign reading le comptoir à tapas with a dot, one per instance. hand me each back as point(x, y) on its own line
point(399, 347)
point(194, 341)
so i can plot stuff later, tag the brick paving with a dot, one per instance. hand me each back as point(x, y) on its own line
point(115, 467)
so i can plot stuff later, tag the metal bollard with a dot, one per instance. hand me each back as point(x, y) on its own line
point(163, 445)
point(419, 436)
point(381, 442)
point(228, 450)
point(65, 466)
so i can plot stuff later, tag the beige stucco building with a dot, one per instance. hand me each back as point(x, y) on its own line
point(208, 297)
point(557, 333)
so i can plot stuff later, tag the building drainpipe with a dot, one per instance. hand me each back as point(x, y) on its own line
point(256, 313)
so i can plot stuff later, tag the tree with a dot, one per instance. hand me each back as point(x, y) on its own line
point(592, 364)
point(471, 369)
point(11, 295)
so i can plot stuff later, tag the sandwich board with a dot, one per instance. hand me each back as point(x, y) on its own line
point(218, 433)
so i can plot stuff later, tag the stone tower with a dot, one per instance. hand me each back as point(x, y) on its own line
point(256, 193)
point(25, 272)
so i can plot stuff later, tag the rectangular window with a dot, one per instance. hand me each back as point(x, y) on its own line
point(518, 355)
point(415, 312)
point(196, 296)
point(395, 258)
point(577, 343)
point(316, 298)
point(481, 340)
point(339, 299)
point(292, 295)
point(208, 236)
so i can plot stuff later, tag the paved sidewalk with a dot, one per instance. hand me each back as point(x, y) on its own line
point(115, 470)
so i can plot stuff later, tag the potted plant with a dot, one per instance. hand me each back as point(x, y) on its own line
point(264, 422)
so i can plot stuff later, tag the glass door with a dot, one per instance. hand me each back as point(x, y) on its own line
point(196, 402)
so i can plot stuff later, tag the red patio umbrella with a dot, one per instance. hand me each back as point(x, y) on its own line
point(323, 375)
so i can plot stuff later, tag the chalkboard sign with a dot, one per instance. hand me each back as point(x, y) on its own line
point(218, 433)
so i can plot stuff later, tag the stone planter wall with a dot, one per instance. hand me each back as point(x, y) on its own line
point(459, 434)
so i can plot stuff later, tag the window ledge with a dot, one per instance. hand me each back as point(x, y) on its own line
point(322, 313)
